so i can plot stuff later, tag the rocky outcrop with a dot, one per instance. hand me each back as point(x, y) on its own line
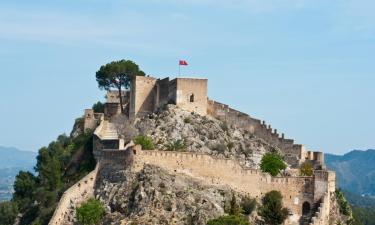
point(155, 196)
point(204, 134)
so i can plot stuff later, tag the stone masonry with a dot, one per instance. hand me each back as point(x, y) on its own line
point(149, 94)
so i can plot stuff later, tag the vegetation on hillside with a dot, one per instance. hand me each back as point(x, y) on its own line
point(272, 211)
point(272, 163)
point(145, 141)
point(364, 215)
point(236, 212)
point(90, 212)
point(8, 212)
point(58, 167)
point(229, 220)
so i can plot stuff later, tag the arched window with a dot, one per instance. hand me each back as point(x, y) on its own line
point(192, 98)
point(306, 208)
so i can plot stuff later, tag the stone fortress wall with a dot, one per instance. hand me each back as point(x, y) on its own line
point(296, 191)
point(294, 154)
point(73, 197)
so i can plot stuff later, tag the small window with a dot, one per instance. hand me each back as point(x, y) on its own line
point(192, 98)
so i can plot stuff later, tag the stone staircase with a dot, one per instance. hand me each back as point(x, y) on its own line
point(107, 131)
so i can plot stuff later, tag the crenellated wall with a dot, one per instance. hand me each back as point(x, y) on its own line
point(215, 171)
point(74, 196)
point(294, 153)
point(321, 217)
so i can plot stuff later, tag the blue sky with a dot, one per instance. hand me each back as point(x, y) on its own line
point(305, 66)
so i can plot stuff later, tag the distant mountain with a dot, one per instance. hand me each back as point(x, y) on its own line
point(355, 171)
point(13, 157)
point(13, 160)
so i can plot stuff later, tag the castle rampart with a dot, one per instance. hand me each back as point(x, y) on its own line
point(217, 171)
point(74, 196)
point(321, 217)
point(294, 154)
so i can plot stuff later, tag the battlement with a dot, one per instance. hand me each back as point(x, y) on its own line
point(321, 216)
point(75, 195)
point(294, 154)
point(296, 190)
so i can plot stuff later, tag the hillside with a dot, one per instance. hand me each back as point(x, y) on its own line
point(355, 171)
point(203, 134)
point(154, 196)
point(13, 160)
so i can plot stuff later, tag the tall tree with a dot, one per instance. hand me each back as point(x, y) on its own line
point(272, 210)
point(118, 75)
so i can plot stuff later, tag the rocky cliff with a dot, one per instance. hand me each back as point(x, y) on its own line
point(154, 196)
point(203, 134)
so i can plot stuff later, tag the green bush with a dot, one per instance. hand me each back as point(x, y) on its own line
point(234, 208)
point(230, 145)
point(145, 141)
point(272, 163)
point(228, 220)
point(176, 145)
point(220, 147)
point(248, 205)
point(187, 120)
point(8, 213)
point(343, 203)
point(90, 212)
point(98, 107)
point(272, 210)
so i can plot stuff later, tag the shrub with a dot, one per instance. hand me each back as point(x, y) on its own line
point(90, 212)
point(224, 126)
point(98, 107)
point(187, 120)
point(272, 210)
point(8, 212)
point(306, 169)
point(145, 141)
point(343, 203)
point(176, 145)
point(220, 147)
point(248, 205)
point(272, 163)
point(230, 145)
point(228, 220)
point(235, 209)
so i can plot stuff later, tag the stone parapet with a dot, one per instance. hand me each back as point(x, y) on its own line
point(75, 195)
point(294, 154)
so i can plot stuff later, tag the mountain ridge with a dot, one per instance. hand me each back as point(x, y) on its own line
point(355, 170)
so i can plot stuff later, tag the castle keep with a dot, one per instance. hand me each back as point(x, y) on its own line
point(148, 94)
point(304, 196)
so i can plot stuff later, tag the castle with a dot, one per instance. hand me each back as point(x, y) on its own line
point(148, 94)
point(304, 196)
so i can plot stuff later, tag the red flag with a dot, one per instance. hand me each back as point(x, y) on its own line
point(183, 63)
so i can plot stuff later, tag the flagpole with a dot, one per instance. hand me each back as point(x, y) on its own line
point(179, 69)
